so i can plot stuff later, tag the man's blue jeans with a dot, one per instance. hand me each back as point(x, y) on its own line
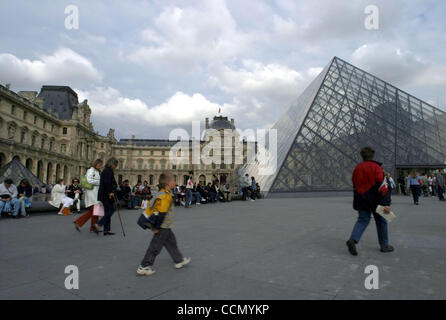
point(197, 196)
point(363, 222)
point(15, 203)
point(188, 197)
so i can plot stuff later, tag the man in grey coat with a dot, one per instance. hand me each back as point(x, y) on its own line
point(439, 184)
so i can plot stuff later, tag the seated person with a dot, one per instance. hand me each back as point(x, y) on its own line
point(8, 198)
point(137, 195)
point(59, 198)
point(146, 191)
point(74, 192)
point(226, 192)
point(125, 194)
point(196, 194)
point(203, 193)
point(218, 192)
point(211, 193)
point(25, 192)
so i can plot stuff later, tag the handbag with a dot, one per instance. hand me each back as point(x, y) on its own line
point(98, 210)
point(84, 183)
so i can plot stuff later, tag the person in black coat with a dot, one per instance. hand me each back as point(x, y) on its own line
point(106, 193)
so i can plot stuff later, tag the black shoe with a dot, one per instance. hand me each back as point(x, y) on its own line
point(386, 249)
point(95, 230)
point(76, 227)
point(15, 217)
point(351, 244)
point(109, 233)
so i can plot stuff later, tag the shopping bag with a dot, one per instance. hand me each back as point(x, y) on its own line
point(98, 210)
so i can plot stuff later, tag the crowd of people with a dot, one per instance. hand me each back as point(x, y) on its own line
point(423, 184)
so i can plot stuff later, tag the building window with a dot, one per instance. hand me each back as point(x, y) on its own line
point(163, 153)
point(51, 146)
point(121, 152)
point(64, 130)
point(52, 127)
point(24, 115)
point(44, 124)
point(102, 145)
point(151, 153)
point(22, 137)
point(13, 110)
point(63, 148)
point(140, 152)
point(42, 144)
point(35, 119)
point(174, 166)
point(33, 141)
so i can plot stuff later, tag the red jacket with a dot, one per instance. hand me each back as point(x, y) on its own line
point(370, 187)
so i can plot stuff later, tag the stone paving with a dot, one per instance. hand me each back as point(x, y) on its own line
point(269, 249)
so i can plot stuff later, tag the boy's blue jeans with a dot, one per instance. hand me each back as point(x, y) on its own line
point(363, 222)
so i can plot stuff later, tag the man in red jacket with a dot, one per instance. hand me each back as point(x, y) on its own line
point(370, 190)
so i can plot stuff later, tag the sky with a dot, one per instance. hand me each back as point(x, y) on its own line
point(147, 67)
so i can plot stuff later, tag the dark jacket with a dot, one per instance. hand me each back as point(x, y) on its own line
point(107, 185)
point(71, 189)
point(27, 191)
point(370, 187)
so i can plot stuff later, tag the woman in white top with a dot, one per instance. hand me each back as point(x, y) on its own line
point(91, 195)
point(59, 198)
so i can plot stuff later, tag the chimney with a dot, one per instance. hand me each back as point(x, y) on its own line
point(233, 123)
point(8, 86)
point(207, 123)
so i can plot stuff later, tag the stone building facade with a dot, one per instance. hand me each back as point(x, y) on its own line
point(52, 135)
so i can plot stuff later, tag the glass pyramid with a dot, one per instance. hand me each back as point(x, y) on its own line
point(343, 110)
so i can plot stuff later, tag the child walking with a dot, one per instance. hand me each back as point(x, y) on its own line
point(161, 225)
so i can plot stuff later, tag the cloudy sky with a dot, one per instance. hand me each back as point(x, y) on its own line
point(149, 66)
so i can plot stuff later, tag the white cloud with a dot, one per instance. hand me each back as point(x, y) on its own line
point(398, 66)
point(108, 105)
point(273, 82)
point(63, 67)
point(187, 38)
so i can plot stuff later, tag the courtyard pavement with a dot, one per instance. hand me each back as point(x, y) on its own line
point(269, 249)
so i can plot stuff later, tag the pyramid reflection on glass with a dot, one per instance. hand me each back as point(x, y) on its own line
point(343, 110)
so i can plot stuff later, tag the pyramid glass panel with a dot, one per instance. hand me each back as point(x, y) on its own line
point(343, 110)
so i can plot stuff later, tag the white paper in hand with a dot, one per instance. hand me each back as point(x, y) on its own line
point(389, 217)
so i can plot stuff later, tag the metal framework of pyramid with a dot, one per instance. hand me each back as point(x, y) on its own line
point(343, 110)
point(17, 171)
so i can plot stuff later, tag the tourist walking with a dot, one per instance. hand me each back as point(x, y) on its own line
point(390, 183)
point(253, 189)
point(244, 184)
point(93, 178)
point(161, 226)
point(370, 190)
point(106, 194)
point(439, 183)
point(189, 188)
point(414, 183)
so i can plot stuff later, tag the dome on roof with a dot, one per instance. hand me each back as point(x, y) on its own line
point(221, 123)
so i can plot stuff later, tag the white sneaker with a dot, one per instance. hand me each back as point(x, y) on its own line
point(198, 203)
point(252, 200)
point(182, 263)
point(145, 271)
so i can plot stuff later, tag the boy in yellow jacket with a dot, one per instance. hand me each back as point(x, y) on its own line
point(163, 235)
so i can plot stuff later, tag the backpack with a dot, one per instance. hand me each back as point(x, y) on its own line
point(84, 183)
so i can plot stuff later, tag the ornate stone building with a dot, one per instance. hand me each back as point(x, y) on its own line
point(51, 134)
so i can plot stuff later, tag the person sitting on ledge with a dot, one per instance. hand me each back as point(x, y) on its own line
point(8, 198)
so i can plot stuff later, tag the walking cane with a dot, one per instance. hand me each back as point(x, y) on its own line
point(119, 215)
